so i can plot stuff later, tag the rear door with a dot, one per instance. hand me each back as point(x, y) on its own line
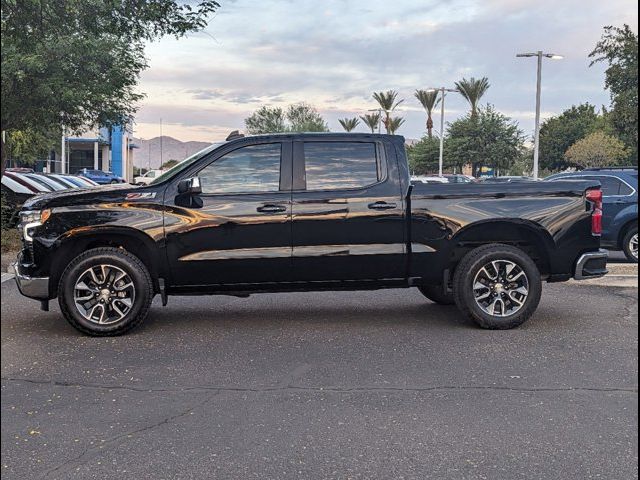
point(347, 211)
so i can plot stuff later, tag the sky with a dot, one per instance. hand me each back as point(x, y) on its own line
point(334, 54)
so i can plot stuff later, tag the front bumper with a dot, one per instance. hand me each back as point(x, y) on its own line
point(592, 265)
point(32, 287)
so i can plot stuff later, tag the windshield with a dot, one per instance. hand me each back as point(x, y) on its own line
point(187, 162)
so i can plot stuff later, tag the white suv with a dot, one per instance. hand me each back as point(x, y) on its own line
point(148, 177)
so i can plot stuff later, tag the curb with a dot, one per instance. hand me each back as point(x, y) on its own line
point(630, 269)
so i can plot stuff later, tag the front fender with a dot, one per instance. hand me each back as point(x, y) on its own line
point(71, 230)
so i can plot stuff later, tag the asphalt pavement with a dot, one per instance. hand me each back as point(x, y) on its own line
point(360, 385)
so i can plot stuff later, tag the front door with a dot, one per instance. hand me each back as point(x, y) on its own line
point(238, 230)
point(348, 220)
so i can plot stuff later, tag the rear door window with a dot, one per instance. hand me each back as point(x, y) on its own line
point(611, 186)
point(341, 165)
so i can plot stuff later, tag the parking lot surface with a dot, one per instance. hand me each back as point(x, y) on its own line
point(325, 385)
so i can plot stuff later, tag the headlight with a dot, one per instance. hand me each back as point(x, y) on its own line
point(31, 219)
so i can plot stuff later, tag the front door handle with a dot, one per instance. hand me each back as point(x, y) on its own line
point(271, 209)
point(382, 206)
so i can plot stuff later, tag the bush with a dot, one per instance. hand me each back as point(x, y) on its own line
point(9, 213)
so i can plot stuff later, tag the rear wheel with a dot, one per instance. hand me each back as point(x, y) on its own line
point(436, 294)
point(105, 292)
point(630, 244)
point(497, 286)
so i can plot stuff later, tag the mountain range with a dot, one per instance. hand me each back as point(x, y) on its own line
point(153, 152)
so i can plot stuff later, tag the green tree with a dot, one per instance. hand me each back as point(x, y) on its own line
point(618, 47)
point(76, 63)
point(349, 124)
point(299, 117)
point(303, 117)
point(487, 139)
point(30, 144)
point(424, 155)
point(388, 102)
point(473, 90)
point(371, 120)
point(597, 150)
point(429, 100)
point(266, 120)
point(558, 133)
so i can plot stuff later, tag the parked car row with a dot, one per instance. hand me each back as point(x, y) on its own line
point(18, 185)
point(459, 178)
point(30, 183)
point(448, 178)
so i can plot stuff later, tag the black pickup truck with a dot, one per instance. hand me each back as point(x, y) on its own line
point(301, 212)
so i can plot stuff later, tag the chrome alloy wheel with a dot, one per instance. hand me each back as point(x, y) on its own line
point(501, 288)
point(104, 294)
point(633, 246)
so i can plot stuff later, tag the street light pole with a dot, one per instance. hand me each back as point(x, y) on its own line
point(441, 158)
point(536, 136)
point(443, 93)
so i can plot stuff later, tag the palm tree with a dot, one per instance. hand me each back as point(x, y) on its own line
point(388, 103)
point(349, 123)
point(371, 120)
point(429, 100)
point(394, 124)
point(473, 90)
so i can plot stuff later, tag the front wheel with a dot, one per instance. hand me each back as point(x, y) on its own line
point(497, 286)
point(105, 292)
point(630, 244)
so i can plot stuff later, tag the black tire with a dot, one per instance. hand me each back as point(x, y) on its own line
point(436, 294)
point(113, 182)
point(120, 259)
point(470, 267)
point(627, 244)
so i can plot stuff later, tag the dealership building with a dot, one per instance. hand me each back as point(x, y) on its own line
point(108, 149)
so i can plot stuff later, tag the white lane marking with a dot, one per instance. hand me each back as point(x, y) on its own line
point(6, 276)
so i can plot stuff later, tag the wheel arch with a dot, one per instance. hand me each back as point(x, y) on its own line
point(624, 229)
point(133, 241)
point(526, 235)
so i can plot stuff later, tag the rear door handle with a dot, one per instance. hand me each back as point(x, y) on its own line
point(271, 208)
point(382, 206)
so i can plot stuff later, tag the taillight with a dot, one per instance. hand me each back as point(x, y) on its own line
point(595, 197)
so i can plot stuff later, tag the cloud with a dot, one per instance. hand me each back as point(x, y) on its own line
point(334, 54)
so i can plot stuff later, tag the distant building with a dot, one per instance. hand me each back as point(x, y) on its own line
point(107, 149)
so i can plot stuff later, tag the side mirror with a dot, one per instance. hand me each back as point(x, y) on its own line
point(190, 186)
